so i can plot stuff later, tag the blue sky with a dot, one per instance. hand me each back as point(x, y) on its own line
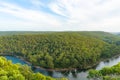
point(60, 15)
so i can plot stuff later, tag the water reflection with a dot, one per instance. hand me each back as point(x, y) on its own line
point(65, 73)
point(40, 70)
point(50, 73)
point(74, 73)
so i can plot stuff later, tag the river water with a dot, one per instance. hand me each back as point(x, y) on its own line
point(71, 75)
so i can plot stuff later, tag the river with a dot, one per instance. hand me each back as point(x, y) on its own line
point(71, 75)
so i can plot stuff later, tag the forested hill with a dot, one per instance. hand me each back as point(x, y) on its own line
point(58, 50)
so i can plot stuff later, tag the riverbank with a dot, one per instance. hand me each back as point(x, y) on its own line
point(87, 68)
point(72, 75)
point(38, 67)
point(57, 69)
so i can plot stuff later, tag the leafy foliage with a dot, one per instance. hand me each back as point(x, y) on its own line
point(9, 71)
point(107, 73)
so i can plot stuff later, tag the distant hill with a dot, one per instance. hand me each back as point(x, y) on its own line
point(3, 33)
point(105, 36)
point(118, 33)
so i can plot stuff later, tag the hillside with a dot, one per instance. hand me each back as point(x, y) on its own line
point(58, 50)
point(105, 36)
point(9, 71)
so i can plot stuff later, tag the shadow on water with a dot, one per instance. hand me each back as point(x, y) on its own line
point(50, 73)
point(39, 70)
point(74, 73)
point(65, 73)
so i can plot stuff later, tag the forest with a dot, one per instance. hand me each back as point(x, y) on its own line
point(9, 71)
point(61, 50)
point(106, 73)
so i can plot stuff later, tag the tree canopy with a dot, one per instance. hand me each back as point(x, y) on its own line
point(106, 73)
point(9, 71)
point(59, 50)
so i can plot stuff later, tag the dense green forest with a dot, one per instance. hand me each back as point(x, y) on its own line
point(9, 71)
point(58, 50)
point(107, 73)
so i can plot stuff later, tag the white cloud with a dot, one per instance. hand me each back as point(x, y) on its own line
point(32, 17)
point(90, 14)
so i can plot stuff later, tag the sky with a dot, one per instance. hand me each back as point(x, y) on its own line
point(60, 15)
